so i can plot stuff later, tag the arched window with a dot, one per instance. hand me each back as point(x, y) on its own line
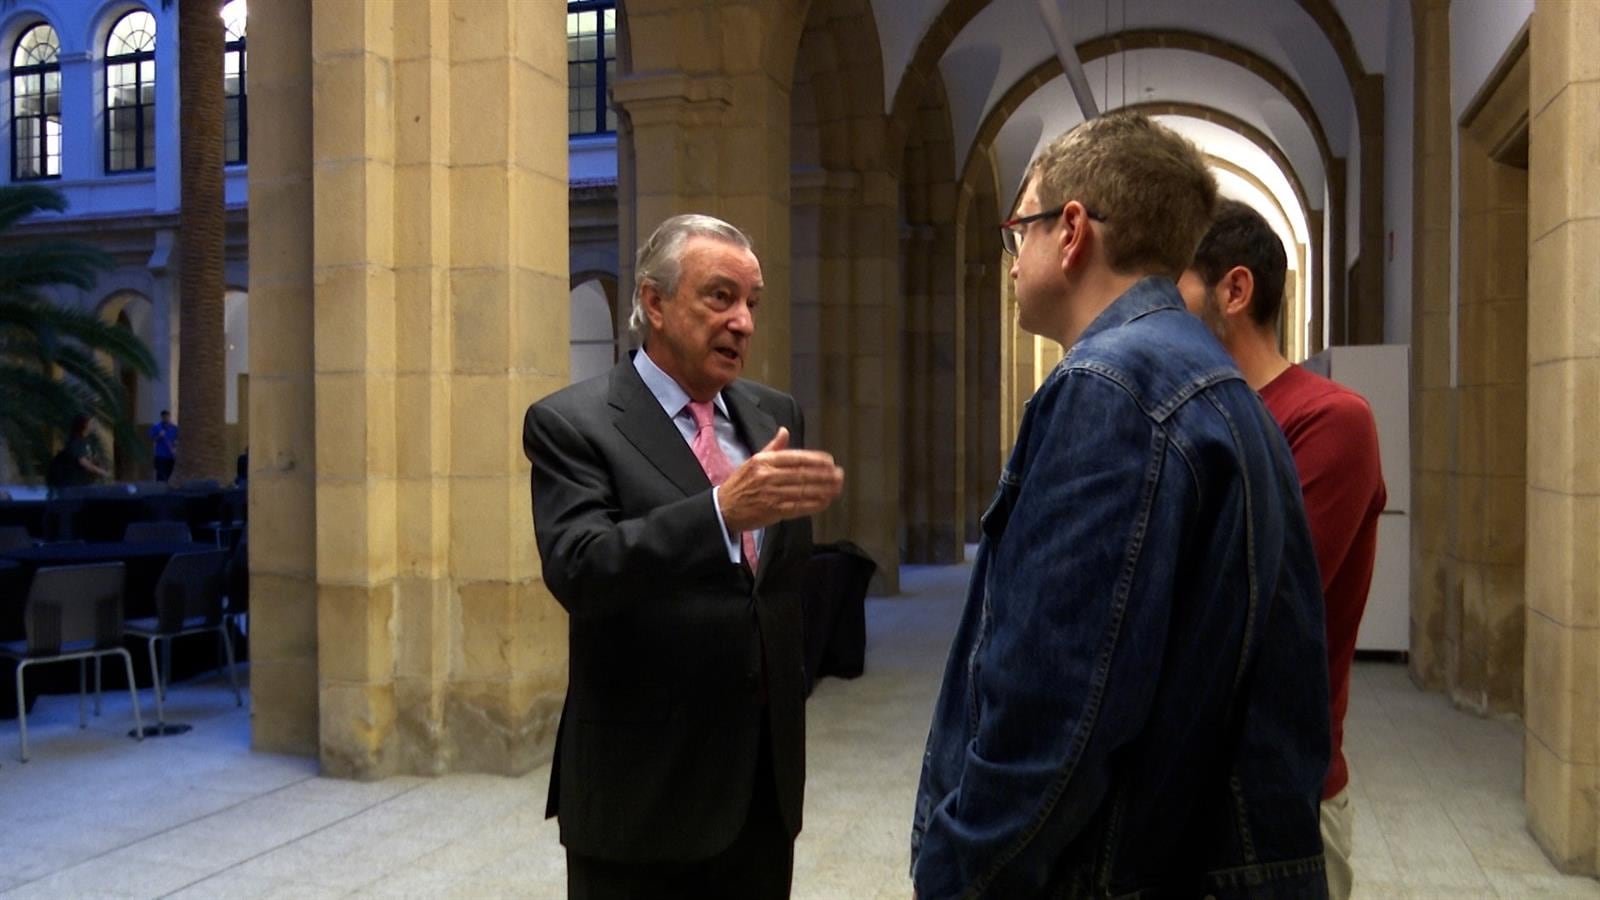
point(36, 105)
point(131, 94)
point(234, 66)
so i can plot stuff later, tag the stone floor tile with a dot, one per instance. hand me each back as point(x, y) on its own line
point(1531, 885)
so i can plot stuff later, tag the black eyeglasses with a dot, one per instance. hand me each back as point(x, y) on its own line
point(1011, 230)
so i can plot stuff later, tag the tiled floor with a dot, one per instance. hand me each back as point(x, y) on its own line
point(1437, 792)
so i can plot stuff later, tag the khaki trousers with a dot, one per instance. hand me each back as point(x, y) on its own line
point(1338, 822)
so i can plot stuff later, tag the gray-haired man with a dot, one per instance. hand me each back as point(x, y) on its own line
point(672, 520)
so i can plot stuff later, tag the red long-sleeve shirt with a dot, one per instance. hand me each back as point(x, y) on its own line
point(1335, 444)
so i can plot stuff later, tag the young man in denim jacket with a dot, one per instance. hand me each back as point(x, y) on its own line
point(1129, 708)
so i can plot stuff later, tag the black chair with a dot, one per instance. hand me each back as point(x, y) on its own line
point(237, 579)
point(158, 532)
point(233, 509)
point(72, 612)
point(15, 537)
point(150, 487)
point(189, 600)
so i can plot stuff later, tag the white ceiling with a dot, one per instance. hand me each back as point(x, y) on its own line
point(1158, 75)
point(1225, 144)
point(1007, 39)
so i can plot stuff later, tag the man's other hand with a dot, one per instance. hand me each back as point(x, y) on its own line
point(778, 483)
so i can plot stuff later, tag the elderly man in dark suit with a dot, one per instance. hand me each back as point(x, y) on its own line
point(671, 505)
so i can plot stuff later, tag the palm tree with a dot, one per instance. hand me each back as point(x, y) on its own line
point(50, 355)
point(202, 345)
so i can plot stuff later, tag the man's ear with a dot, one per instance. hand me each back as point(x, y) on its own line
point(1074, 241)
point(650, 299)
point(1239, 290)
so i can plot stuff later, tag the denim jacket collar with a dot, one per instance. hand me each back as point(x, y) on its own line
point(1147, 295)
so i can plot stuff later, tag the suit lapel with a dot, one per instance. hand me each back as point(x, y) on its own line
point(646, 425)
point(755, 426)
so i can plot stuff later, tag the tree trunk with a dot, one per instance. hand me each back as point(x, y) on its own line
point(202, 348)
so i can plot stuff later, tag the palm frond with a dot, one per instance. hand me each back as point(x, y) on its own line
point(51, 262)
point(21, 200)
point(51, 357)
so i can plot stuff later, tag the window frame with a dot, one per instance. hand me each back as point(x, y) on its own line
point(598, 62)
point(136, 60)
point(240, 47)
point(42, 136)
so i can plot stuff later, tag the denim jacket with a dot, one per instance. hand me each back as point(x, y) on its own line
point(1136, 701)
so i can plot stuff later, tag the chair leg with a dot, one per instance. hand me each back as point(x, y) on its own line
point(83, 690)
point(97, 687)
point(155, 681)
point(227, 648)
point(133, 692)
point(22, 711)
point(166, 665)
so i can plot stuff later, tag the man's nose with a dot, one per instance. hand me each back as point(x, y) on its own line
point(743, 321)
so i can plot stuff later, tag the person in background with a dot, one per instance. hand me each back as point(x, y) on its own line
point(1235, 286)
point(1126, 710)
point(164, 437)
point(74, 465)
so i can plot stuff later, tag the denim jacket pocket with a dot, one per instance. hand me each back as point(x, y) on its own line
point(994, 519)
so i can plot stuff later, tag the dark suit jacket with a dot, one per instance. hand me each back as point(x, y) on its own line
point(670, 643)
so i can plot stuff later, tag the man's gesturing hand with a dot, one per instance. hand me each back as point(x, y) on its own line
point(778, 483)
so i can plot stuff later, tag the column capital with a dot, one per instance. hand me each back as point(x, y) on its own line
point(663, 97)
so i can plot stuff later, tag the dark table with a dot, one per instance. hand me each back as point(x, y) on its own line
point(144, 563)
point(104, 518)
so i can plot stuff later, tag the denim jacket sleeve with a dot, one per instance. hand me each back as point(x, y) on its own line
point(1069, 645)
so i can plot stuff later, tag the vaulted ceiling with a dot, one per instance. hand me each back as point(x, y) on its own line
point(1282, 69)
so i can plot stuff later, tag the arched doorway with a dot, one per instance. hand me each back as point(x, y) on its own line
point(593, 343)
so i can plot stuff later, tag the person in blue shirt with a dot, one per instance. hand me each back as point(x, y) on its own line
point(164, 435)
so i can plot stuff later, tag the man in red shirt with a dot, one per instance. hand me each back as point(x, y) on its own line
point(1236, 286)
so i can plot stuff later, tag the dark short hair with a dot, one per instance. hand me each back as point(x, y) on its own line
point(1239, 236)
point(79, 423)
point(166, 412)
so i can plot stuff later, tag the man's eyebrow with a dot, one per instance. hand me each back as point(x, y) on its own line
point(726, 281)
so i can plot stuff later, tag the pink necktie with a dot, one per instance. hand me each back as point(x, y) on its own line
point(716, 464)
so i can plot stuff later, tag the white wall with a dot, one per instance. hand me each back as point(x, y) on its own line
point(236, 331)
point(592, 346)
point(1480, 32)
point(1399, 127)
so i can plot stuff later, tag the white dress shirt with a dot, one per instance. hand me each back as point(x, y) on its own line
point(674, 402)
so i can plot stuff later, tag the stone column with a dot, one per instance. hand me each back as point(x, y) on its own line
point(1315, 335)
point(409, 299)
point(1337, 212)
point(977, 485)
point(1562, 754)
point(876, 389)
point(1433, 428)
